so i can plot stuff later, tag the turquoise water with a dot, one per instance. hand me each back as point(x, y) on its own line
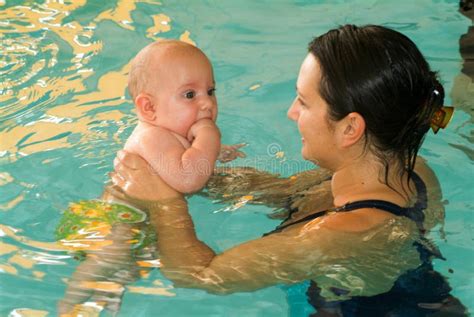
point(64, 113)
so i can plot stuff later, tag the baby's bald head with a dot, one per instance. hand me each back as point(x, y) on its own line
point(146, 64)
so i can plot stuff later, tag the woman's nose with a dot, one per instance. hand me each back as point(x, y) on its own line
point(292, 112)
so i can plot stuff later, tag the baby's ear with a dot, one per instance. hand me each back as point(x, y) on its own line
point(145, 107)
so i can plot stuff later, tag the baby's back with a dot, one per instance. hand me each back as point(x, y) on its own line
point(133, 142)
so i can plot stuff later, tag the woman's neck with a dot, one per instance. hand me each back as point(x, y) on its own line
point(364, 178)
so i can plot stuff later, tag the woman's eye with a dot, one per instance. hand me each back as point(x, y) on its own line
point(189, 94)
point(211, 92)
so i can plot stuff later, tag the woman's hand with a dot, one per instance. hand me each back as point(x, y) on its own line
point(136, 182)
point(231, 152)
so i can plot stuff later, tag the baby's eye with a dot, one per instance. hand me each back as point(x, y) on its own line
point(190, 94)
point(211, 92)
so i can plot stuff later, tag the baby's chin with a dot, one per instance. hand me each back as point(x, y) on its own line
point(183, 139)
point(180, 133)
point(177, 131)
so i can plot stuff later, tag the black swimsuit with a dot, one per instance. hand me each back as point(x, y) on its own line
point(418, 292)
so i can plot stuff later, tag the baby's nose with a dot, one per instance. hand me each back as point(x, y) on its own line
point(207, 105)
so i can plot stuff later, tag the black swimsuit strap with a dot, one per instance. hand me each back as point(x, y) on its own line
point(415, 213)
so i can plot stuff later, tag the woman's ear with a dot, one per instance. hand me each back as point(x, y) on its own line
point(353, 129)
point(145, 107)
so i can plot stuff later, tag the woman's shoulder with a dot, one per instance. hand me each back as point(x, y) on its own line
point(435, 213)
point(364, 219)
point(425, 172)
point(357, 221)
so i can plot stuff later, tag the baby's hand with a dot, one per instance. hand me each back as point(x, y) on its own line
point(231, 152)
point(199, 126)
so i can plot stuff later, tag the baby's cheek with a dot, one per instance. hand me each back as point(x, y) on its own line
point(188, 120)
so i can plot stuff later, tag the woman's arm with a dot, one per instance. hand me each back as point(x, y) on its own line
point(232, 184)
point(435, 213)
point(285, 257)
point(281, 258)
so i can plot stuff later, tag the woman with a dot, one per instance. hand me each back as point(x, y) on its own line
point(365, 100)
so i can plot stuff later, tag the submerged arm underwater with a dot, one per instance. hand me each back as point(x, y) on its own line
point(230, 185)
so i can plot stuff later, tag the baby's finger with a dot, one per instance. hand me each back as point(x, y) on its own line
point(240, 154)
point(224, 159)
point(238, 145)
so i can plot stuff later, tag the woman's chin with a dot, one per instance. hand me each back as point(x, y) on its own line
point(305, 155)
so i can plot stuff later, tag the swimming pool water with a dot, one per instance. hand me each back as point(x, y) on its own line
point(64, 113)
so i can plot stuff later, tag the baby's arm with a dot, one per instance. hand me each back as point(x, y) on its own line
point(186, 170)
point(199, 159)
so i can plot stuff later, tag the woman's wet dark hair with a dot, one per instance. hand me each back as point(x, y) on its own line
point(380, 74)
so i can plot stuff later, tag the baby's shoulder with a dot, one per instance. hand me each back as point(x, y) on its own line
point(154, 135)
point(151, 138)
point(149, 130)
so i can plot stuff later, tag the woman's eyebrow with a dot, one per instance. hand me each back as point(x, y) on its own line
point(301, 96)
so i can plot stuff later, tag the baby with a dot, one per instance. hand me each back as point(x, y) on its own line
point(173, 89)
point(172, 86)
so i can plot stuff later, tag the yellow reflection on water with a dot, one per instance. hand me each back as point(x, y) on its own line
point(5, 178)
point(22, 261)
point(23, 19)
point(12, 203)
point(14, 234)
point(71, 117)
point(34, 79)
point(58, 121)
point(6, 248)
point(186, 37)
point(7, 268)
point(161, 291)
point(120, 14)
point(161, 24)
point(38, 274)
point(25, 312)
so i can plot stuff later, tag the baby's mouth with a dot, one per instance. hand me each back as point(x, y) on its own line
point(207, 115)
